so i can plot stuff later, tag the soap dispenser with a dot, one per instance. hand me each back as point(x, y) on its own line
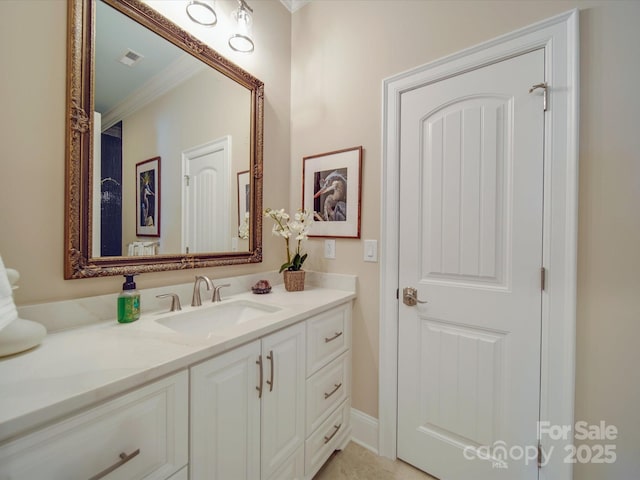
point(128, 301)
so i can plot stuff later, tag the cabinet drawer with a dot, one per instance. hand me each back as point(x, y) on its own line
point(327, 389)
point(326, 439)
point(143, 434)
point(328, 336)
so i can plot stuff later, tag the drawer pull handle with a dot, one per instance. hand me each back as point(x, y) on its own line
point(259, 387)
point(337, 386)
point(270, 381)
point(124, 458)
point(328, 439)
point(330, 339)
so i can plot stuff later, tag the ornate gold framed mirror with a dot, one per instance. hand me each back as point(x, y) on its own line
point(138, 88)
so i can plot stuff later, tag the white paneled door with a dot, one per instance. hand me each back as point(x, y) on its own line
point(205, 196)
point(471, 212)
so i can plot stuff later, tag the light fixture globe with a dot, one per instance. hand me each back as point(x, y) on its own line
point(240, 40)
point(201, 13)
point(241, 43)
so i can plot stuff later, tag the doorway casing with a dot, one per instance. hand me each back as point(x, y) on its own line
point(558, 36)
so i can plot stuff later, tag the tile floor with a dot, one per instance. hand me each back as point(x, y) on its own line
point(358, 463)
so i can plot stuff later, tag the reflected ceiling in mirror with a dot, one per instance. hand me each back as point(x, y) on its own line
point(157, 93)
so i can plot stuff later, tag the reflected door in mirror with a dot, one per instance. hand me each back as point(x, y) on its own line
point(206, 197)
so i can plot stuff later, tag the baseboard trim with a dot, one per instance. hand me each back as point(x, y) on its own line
point(364, 430)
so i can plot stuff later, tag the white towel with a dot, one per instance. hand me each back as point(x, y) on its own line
point(8, 312)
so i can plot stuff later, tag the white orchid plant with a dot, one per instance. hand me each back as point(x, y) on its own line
point(288, 228)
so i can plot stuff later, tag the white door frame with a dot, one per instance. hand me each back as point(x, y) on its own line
point(559, 37)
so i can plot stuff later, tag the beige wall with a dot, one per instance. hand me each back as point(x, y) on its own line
point(340, 57)
point(32, 96)
point(324, 93)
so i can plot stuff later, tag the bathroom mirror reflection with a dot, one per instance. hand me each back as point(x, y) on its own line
point(161, 98)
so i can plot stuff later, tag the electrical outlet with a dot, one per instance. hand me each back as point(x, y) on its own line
point(329, 249)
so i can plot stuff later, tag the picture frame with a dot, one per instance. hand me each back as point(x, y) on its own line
point(148, 198)
point(244, 195)
point(331, 188)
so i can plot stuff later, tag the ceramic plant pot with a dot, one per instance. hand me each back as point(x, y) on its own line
point(294, 280)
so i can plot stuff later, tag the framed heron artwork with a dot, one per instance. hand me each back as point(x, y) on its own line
point(331, 188)
point(148, 198)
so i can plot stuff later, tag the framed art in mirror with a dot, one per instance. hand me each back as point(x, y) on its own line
point(148, 198)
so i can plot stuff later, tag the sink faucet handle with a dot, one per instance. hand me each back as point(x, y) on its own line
point(175, 301)
point(216, 292)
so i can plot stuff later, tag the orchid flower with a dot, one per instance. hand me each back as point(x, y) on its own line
point(298, 228)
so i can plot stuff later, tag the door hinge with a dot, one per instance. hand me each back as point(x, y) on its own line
point(397, 294)
point(545, 89)
point(186, 180)
point(540, 457)
point(543, 278)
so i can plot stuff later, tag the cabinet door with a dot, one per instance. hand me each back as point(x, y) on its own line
point(181, 475)
point(142, 434)
point(283, 396)
point(292, 468)
point(225, 416)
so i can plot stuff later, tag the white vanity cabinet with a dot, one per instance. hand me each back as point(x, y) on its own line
point(328, 386)
point(140, 435)
point(247, 410)
point(274, 408)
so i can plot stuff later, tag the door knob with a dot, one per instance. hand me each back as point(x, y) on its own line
point(410, 297)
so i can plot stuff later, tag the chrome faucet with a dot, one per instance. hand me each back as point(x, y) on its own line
point(216, 292)
point(196, 300)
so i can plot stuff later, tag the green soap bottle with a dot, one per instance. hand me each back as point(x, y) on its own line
point(128, 302)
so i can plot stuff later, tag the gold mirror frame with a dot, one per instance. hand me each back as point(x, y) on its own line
point(79, 152)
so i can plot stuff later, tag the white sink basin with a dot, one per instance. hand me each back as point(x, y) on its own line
point(209, 319)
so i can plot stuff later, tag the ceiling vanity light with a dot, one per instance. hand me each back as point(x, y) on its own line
point(201, 13)
point(240, 40)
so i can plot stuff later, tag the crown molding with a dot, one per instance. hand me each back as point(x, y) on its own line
point(294, 5)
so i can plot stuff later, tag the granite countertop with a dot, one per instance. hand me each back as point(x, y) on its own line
point(73, 369)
